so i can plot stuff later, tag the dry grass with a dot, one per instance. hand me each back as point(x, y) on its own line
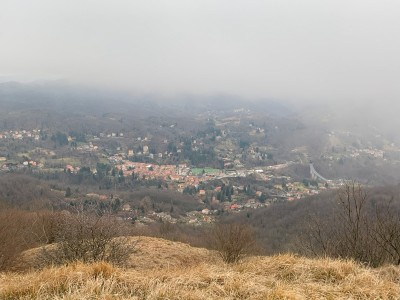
point(148, 253)
point(168, 270)
point(159, 253)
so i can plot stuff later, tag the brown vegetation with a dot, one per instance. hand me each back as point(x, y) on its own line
point(358, 228)
point(14, 239)
point(275, 277)
point(233, 241)
point(85, 237)
point(149, 253)
point(290, 226)
point(24, 192)
point(79, 235)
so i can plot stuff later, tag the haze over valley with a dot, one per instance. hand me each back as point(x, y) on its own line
point(193, 136)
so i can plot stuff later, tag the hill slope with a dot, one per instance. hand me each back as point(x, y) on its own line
point(191, 275)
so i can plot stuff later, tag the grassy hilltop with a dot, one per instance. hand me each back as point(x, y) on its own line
point(162, 269)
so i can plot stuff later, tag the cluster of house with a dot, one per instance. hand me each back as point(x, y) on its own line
point(181, 176)
point(376, 153)
point(89, 147)
point(194, 218)
point(178, 174)
point(71, 169)
point(356, 153)
point(6, 166)
point(20, 134)
point(111, 134)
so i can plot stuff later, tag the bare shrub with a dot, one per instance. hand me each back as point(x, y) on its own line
point(233, 241)
point(45, 226)
point(168, 230)
point(87, 238)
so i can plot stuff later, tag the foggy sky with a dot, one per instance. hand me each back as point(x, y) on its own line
point(321, 50)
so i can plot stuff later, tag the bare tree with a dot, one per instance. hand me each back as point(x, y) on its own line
point(233, 241)
point(351, 231)
point(386, 231)
point(45, 226)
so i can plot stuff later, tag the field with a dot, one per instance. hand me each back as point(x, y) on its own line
point(199, 171)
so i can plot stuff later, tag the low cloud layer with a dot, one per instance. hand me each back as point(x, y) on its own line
point(333, 50)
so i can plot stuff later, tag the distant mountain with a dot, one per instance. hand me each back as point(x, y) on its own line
point(62, 97)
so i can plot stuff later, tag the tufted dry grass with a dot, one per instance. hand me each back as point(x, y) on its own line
point(194, 273)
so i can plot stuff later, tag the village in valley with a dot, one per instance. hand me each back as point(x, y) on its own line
point(231, 163)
